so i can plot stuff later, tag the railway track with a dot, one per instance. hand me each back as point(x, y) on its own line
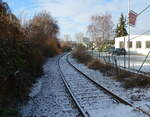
point(83, 113)
point(87, 93)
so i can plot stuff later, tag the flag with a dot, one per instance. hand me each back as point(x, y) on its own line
point(132, 18)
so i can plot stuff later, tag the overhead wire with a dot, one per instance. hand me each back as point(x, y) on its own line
point(144, 10)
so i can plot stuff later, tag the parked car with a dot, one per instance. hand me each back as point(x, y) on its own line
point(111, 50)
point(120, 51)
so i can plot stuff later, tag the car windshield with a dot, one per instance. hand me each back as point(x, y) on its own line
point(111, 49)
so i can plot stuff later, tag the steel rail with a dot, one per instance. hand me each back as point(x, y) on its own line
point(117, 98)
point(84, 114)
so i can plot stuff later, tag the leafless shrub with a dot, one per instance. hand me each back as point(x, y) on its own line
point(42, 31)
point(132, 80)
point(65, 46)
point(81, 54)
point(122, 75)
point(106, 69)
point(95, 64)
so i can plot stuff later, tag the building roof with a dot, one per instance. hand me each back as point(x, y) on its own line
point(133, 37)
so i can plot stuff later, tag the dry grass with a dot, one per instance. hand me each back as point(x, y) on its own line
point(123, 75)
point(95, 64)
point(140, 82)
point(65, 46)
point(128, 79)
point(132, 80)
point(106, 69)
point(82, 55)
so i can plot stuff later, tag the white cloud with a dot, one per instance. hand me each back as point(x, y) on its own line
point(74, 15)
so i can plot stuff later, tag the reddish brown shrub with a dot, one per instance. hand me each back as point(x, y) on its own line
point(95, 64)
point(81, 54)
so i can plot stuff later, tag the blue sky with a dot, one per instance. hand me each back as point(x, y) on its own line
point(73, 16)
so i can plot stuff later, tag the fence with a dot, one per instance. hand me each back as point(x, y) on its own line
point(139, 63)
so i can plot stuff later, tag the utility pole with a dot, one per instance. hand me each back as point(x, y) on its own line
point(128, 34)
point(124, 54)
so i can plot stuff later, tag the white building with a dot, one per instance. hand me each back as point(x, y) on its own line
point(138, 43)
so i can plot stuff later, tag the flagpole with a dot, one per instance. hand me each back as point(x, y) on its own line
point(128, 35)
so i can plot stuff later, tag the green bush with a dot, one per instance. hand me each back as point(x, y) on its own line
point(8, 112)
point(19, 67)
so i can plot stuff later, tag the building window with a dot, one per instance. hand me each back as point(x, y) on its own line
point(130, 44)
point(121, 44)
point(138, 44)
point(147, 44)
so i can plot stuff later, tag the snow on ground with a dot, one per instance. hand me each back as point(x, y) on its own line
point(135, 60)
point(36, 88)
point(117, 111)
point(49, 97)
point(138, 96)
point(94, 101)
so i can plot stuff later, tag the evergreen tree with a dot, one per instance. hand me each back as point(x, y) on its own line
point(121, 27)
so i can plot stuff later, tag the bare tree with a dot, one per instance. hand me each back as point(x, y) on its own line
point(101, 28)
point(79, 37)
point(67, 37)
